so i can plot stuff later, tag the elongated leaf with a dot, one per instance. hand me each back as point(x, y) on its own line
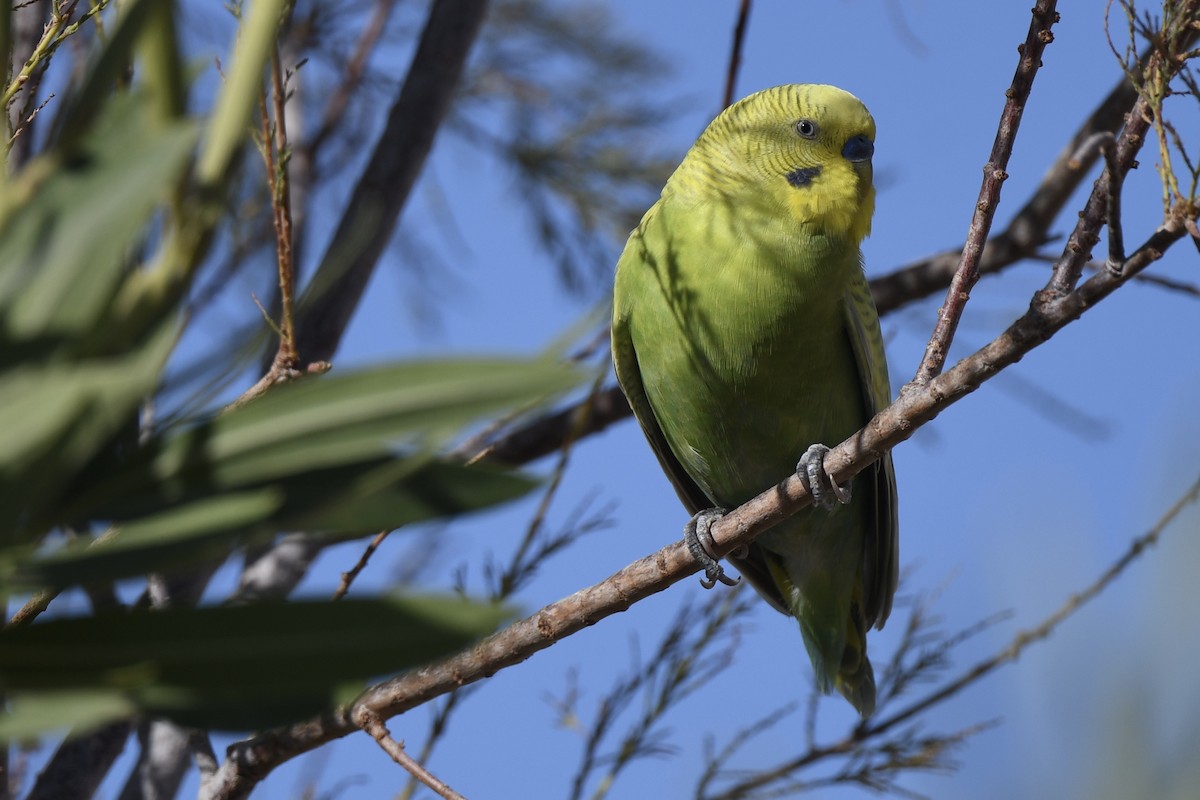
point(33, 714)
point(330, 422)
point(64, 252)
point(86, 101)
point(230, 668)
point(59, 416)
point(336, 503)
point(239, 91)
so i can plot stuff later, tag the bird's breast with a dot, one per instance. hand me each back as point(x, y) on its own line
point(766, 369)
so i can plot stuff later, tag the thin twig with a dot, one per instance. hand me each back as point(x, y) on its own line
point(994, 175)
point(352, 74)
point(281, 203)
point(370, 215)
point(25, 123)
point(735, 53)
point(1161, 281)
point(372, 724)
point(250, 760)
point(349, 576)
point(33, 607)
point(274, 148)
point(1009, 653)
point(437, 728)
point(1106, 143)
point(1163, 61)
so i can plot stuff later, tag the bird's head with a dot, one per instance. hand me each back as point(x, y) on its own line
point(803, 148)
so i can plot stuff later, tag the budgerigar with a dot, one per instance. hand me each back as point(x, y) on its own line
point(744, 332)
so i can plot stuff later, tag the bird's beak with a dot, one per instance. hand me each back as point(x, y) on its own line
point(858, 149)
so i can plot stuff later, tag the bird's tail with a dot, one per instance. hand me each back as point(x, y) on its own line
point(835, 634)
point(855, 677)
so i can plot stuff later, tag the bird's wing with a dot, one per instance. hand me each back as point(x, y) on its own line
point(633, 280)
point(880, 550)
point(634, 285)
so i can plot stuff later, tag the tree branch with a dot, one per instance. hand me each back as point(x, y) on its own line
point(388, 177)
point(735, 53)
point(251, 760)
point(1008, 654)
point(79, 764)
point(373, 725)
point(994, 174)
point(164, 758)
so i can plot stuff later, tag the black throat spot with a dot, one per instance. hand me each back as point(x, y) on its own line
point(803, 177)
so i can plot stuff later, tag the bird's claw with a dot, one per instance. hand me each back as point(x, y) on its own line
point(698, 536)
point(819, 482)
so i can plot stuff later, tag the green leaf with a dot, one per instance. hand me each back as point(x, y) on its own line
point(228, 668)
point(194, 532)
point(30, 715)
point(95, 89)
point(64, 252)
point(337, 503)
point(239, 90)
point(349, 420)
point(439, 489)
point(339, 456)
point(68, 412)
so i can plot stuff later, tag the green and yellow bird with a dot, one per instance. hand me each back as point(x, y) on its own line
point(744, 332)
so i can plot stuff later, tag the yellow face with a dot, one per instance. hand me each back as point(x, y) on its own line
point(809, 148)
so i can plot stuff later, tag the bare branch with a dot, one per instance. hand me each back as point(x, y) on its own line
point(1106, 143)
point(1008, 654)
point(161, 764)
point(735, 53)
point(277, 572)
point(994, 175)
point(373, 725)
point(545, 435)
point(387, 179)
point(352, 573)
point(251, 760)
point(79, 764)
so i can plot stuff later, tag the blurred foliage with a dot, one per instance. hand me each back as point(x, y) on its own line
point(103, 233)
point(135, 222)
point(556, 93)
point(578, 104)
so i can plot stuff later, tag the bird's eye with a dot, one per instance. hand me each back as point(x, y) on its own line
point(807, 128)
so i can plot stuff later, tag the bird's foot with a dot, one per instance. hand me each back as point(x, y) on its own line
point(820, 484)
point(698, 536)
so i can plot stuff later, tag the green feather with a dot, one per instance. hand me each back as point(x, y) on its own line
point(744, 331)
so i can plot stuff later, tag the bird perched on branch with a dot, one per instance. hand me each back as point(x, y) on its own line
point(744, 335)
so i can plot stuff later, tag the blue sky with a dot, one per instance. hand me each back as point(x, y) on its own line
point(1002, 506)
